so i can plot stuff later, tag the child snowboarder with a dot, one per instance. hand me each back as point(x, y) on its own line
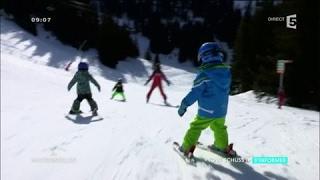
point(118, 90)
point(82, 78)
point(157, 76)
point(211, 90)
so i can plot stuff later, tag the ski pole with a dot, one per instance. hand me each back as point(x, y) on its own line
point(79, 49)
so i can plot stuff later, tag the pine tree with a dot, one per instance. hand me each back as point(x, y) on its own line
point(22, 12)
point(243, 76)
point(302, 80)
point(114, 44)
point(261, 43)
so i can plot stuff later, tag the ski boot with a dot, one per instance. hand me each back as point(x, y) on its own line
point(75, 112)
point(228, 152)
point(94, 112)
point(188, 154)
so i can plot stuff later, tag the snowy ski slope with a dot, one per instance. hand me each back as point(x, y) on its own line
point(134, 140)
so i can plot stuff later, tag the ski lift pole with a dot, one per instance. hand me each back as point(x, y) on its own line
point(79, 49)
point(281, 65)
point(281, 81)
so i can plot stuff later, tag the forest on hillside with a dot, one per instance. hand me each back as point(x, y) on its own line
point(185, 24)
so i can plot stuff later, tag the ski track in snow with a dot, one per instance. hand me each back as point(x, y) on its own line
point(134, 139)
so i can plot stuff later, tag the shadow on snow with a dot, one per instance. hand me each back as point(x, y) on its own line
point(83, 119)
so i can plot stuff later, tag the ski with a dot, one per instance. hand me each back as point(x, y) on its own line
point(170, 105)
point(165, 105)
point(189, 158)
point(232, 153)
point(119, 100)
point(93, 113)
point(84, 117)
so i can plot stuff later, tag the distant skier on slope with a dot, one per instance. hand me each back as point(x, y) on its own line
point(211, 90)
point(157, 76)
point(118, 90)
point(82, 78)
point(281, 98)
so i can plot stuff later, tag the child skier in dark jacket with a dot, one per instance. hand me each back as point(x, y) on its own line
point(211, 91)
point(82, 78)
point(118, 90)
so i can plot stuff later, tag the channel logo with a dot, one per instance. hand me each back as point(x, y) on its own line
point(292, 21)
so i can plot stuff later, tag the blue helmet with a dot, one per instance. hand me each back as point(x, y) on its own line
point(210, 52)
point(83, 66)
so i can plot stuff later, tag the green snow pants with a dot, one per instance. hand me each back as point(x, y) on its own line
point(115, 93)
point(220, 133)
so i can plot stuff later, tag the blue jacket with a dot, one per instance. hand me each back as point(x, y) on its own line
point(211, 89)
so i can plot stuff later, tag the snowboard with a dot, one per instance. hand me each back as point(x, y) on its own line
point(189, 159)
point(222, 154)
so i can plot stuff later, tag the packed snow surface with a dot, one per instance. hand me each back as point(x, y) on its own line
point(131, 140)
